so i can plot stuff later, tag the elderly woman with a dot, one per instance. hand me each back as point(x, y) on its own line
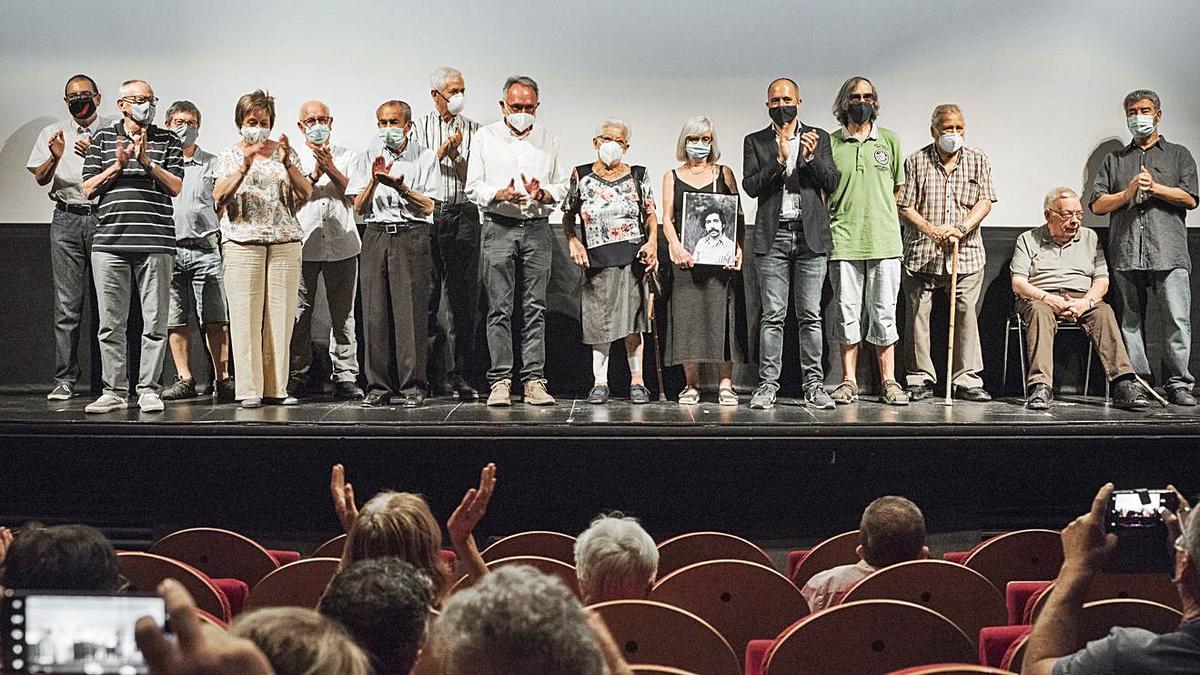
point(616, 244)
point(259, 184)
point(615, 559)
point(703, 323)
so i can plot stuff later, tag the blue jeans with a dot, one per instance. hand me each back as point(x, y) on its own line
point(1173, 290)
point(790, 266)
point(505, 245)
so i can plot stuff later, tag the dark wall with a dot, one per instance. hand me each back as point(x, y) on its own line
point(27, 329)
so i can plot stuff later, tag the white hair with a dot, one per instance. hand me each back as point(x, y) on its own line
point(124, 90)
point(615, 558)
point(697, 126)
point(614, 122)
point(1056, 194)
point(942, 111)
point(515, 620)
point(439, 77)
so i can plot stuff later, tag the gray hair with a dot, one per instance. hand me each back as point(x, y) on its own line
point(1191, 540)
point(182, 106)
point(943, 110)
point(515, 620)
point(1142, 94)
point(406, 108)
point(614, 122)
point(519, 79)
point(1061, 192)
point(439, 77)
point(124, 90)
point(842, 102)
point(697, 126)
point(615, 558)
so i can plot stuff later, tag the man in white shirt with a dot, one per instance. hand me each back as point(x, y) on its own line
point(454, 239)
point(516, 177)
point(57, 161)
point(714, 248)
point(331, 247)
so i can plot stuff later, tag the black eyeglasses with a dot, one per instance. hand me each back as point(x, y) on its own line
point(137, 100)
point(309, 121)
point(80, 96)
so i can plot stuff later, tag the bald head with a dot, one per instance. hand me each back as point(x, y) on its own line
point(783, 85)
point(315, 121)
point(313, 108)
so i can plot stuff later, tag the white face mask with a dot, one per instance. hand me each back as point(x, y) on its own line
point(187, 133)
point(950, 143)
point(611, 152)
point(520, 121)
point(255, 135)
point(456, 103)
point(142, 113)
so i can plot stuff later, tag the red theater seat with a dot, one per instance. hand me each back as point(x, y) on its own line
point(657, 633)
point(218, 553)
point(839, 550)
point(539, 543)
point(145, 571)
point(687, 549)
point(298, 584)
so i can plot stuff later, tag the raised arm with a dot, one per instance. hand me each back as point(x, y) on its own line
point(465, 519)
point(342, 494)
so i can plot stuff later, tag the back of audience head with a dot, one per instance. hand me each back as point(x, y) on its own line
point(384, 603)
point(892, 531)
point(515, 620)
point(400, 524)
point(615, 559)
point(300, 641)
point(61, 558)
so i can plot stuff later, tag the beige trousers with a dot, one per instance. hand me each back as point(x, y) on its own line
point(262, 282)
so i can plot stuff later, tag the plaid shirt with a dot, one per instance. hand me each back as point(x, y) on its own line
point(944, 199)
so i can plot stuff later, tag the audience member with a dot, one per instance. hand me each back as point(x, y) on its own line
point(299, 641)
point(615, 559)
point(59, 558)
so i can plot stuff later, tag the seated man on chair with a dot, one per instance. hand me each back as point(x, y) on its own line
point(892, 531)
point(1059, 274)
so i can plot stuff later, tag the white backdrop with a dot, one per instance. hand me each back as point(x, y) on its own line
point(1041, 81)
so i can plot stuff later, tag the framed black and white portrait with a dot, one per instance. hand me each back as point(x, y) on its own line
point(709, 228)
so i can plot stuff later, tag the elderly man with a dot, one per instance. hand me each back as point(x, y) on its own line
point(57, 161)
point(615, 560)
point(516, 176)
point(1146, 188)
point(789, 170)
point(944, 201)
point(134, 168)
point(397, 205)
point(1059, 274)
point(455, 236)
point(197, 286)
point(1053, 643)
point(714, 248)
point(892, 531)
point(331, 247)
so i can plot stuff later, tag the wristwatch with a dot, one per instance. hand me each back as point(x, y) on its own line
point(962, 230)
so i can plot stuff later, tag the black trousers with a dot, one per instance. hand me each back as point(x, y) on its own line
point(395, 273)
point(454, 242)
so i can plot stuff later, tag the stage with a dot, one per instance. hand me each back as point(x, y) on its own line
point(789, 473)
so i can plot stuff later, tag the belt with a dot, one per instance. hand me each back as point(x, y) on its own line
point(791, 225)
point(513, 222)
point(77, 209)
point(208, 242)
point(396, 228)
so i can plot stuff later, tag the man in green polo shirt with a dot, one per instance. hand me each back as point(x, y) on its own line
point(864, 268)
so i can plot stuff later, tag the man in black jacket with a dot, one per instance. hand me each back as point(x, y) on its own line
point(789, 169)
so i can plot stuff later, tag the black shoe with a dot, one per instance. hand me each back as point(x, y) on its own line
point(598, 395)
point(226, 391)
point(461, 391)
point(376, 399)
point(1129, 395)
point(346, 389)
point(1040, 396)
point(638, 394)
point(1181, 396)
point(976, 394)
point(414, 399)
point(180, 389)
point(920, 392)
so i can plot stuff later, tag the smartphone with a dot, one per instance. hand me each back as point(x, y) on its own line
point(1135, 516)
point(75, 631)
point(1138, 508)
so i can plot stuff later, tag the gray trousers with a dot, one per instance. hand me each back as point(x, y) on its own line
point(70, 252)
point(918, 301)
point(341, 285)
point(1174, 292)
point(791, 268)
point(115, 275)
point(506, 247)
point(395, 295)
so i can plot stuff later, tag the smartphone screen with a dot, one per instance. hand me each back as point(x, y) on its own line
point(75, 633)
point(1138, 508)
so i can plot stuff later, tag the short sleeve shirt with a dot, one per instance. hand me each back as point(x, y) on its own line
point(1055, 268)
point(263, 210)
point(328, 220)
point(418, 165)
point(195, 212)
point(612, 215)
point(1135, 650)
point(862, 210)
point(66, 183)
point(944, 199)
point(827, 588)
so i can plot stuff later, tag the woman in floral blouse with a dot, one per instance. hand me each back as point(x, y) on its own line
point(259, 186)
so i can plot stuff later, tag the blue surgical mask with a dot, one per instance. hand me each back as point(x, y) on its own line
point(1140, 126)
point(393, 137)
point(697, 150)
point(317, 133)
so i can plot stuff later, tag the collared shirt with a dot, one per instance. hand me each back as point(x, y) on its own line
point(134, 212)
point(1136, 650)
point(1056, 268)
point(418, 165)
point(719, 251)
point(499, 157)
point(944, 199)
point(789, 205)
point(67, 181)
point(862, 210)
point(263, 210)
point(328, 220)
point(195, 211)
point(1151, 235)
point(432, 131)
point(827, 588)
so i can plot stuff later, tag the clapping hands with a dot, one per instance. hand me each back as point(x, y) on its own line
point(472, 508)
point(343, 497)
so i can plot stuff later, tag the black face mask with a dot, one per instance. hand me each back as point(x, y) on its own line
point(81, 108)
point(860, 113)
point(783, 114)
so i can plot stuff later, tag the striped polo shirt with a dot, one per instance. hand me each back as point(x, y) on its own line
point(134, 212)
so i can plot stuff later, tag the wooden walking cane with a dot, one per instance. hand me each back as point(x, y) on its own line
point(650, 283)
point(953, 314)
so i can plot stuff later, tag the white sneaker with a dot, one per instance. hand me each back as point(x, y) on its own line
point(150, 402)
point(107, 403)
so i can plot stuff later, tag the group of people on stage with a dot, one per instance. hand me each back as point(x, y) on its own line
point(239, 239)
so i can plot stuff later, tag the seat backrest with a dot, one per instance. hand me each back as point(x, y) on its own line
point(554, 545)
point(555, 568)
point(332, 548)
point(1107, 586)
point(686, 549)
point(663, 670)
point(742, 600)
point(834, 551)
point(1015, 656)
point(1100, 616)
point(869, 636)
point(956, 592)
point(298, 584)
point(656, 633)
point(1024, 555)
point(218, 553)
point(145, 571)
point(951, 669)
